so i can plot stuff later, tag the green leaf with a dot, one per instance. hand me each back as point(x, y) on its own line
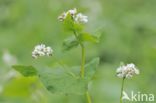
point(90, 68)
point(88, 37)
point(78, 27)
point(25, 70)
point(20, 87)
point(70, 43)
point(58, 81)
point(70, 25)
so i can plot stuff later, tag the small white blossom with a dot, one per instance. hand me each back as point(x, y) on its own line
point(63, 16)
point(127, 71)
point(77, 17)
point(72, 11)
point(41, 50)
point(49, 51)
point(80, 18)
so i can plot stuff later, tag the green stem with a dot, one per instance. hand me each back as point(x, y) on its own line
point(122, 87)
point(83, 59)
point(88, 97)
point(75, 34)
point(82, 71)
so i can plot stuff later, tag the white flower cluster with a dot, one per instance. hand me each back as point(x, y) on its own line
point(41, 50)
point(77, 17)
point(127, 71)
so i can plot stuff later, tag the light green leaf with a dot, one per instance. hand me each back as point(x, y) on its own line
point(20, 87)
point(25, 70)
point(88, 37)
point(78, 27)
point(68, 23)
point(58, 81)
point(90, 68)
point(70, 43)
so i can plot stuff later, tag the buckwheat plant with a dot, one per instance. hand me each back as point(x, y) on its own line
point(60, 79)
point(126, 71)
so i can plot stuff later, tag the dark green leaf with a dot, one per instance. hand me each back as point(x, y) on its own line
point(25, 70)
point(70, 43)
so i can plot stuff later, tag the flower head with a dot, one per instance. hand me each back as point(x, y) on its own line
point(80, 18)
point(127, 71)
point(72, 11)
point(41, 50)
point(77, 17)
point(63, 16)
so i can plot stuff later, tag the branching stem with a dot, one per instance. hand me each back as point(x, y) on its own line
point(83, 59)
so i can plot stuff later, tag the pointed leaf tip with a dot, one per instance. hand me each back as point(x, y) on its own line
point(25, 70)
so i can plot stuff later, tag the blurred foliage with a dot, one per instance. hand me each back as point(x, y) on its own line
point(128, 35)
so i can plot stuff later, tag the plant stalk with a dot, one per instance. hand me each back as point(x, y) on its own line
point(83, 58)
point(88, 97)
point(122, 87)
point(82, 71)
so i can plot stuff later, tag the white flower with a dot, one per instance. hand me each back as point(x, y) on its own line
point(41, 50)
point(49, 51)
point(80, 18)
point(63, 16)
point(127, 71)
point(72, 11)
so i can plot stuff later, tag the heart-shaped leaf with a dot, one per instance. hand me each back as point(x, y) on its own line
point(58, 80)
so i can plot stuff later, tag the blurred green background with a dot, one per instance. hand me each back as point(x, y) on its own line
point(128, 29)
